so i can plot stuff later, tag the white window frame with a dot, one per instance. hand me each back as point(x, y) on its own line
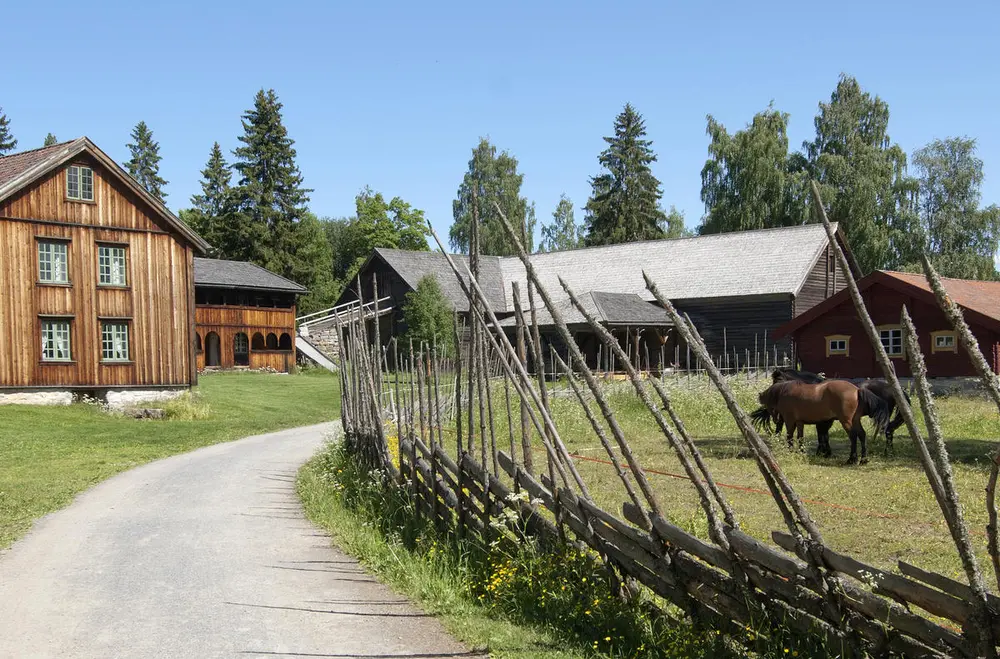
point(115, 341)
point(112, 261)
point(885, 335)
point(838, 345)
point(56, 340)
point(944, 341)
point(80, 183)
point(52, 270)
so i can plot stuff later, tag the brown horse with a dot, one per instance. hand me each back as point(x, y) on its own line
point(799, 403)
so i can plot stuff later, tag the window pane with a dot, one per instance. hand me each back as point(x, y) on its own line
point(114, 341)
point(55, 340)
point(111, 265)
point(53, 262)
point(73, 182)
point(86, 183)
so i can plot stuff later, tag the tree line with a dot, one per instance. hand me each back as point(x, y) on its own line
point(890, 207)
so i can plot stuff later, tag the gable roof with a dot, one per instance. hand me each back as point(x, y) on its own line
point(20, 169)
point(979, 300)
point(762, 262)
point(217, 273)
point(413, 266)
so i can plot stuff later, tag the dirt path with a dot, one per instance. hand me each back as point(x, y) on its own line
point(202, 555)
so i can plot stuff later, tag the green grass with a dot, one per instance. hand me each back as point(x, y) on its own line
point(508, 597)
point(886, 509)
point(50, 454)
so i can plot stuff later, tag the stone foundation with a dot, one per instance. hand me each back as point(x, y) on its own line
point(36, 398)
point(326, 339)
point(126, 397)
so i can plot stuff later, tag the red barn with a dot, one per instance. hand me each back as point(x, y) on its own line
point(829, 339)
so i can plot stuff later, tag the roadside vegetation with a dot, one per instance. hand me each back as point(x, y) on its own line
point(50, 454)
point(514, 600)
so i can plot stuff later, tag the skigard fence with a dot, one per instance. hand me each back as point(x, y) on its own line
point(499, 412)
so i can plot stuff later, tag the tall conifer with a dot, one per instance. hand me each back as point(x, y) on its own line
point(7, 141)
point(144, 166)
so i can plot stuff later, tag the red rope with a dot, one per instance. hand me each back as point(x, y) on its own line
point(741, 488)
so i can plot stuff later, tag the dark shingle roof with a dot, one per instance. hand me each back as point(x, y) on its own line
point(414, 266)
point(16, 164)
point(238, 274)
point(606, 308)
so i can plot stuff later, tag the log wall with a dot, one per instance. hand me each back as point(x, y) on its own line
point(228, 321)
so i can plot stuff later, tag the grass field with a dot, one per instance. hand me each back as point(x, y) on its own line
point(50, 454)
point(880, 513)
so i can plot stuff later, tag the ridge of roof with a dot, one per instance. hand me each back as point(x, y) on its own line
point(37, 166)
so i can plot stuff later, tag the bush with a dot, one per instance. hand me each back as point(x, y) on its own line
point(429, 317)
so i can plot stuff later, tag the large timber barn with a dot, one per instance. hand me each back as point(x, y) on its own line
point(736, 287)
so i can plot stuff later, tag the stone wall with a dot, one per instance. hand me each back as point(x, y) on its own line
point(36, 398)
point(326, 340)
point(125, 397)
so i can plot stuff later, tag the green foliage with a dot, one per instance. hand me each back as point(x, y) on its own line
point(624, 205)
point(534, 602)
point(862, 175)
point(495, 180)
point(310, 265)
point(144, 166)
point(673, 224)
point(7, 141)
point(269, 198)
point(212, 215)
point(749, 180)
point(50, 139)
point(563, 232)
point(429, 317)
point(960, 238)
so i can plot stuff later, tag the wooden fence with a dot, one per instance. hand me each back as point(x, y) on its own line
point(728, 581)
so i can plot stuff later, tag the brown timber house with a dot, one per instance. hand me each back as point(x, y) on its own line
point(98, 285)
point(97, 276)
point(737, 288)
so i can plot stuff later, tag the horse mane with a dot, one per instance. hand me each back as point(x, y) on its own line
point(770, 396)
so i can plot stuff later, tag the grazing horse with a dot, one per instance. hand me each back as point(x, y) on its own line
point(799, 403)
point(880, 388)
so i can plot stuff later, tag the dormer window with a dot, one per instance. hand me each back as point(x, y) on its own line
point(80, 183)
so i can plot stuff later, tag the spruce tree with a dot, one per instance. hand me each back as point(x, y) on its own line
point(495, 179)
point(269, 198)
point(7, 141)
point(624, 205)
point(144, 166)
point(50, 140)
point(212, 210)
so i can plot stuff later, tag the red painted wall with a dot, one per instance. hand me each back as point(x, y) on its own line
point(885, 306)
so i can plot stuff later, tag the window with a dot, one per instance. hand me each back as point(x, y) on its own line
point(80, 183)
point(111, 265)
point(197, 342)
point(114, 341)
point(241, 350)
point(285, 342)
point(943, 342)
point(892, 341)
point(272, 341)
point(53, 262)
point(838, 344)
point(55, 341)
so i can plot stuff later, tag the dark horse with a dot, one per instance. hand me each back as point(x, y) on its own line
point(880, 388)
point(799, 403)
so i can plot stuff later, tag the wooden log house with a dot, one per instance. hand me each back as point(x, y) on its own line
point(96, 277)
point(244, 316)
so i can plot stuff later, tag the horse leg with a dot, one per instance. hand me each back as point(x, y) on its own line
point(823, 438)
point(890, 430)
point(800, 430)
point(849, 429)
point(779, 423)
point(864, 442)
point(790, 433)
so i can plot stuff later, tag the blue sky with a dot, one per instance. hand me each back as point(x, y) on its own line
point(396, 94)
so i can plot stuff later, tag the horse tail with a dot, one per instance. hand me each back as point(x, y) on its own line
point(877, 408)
point(761, 418)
